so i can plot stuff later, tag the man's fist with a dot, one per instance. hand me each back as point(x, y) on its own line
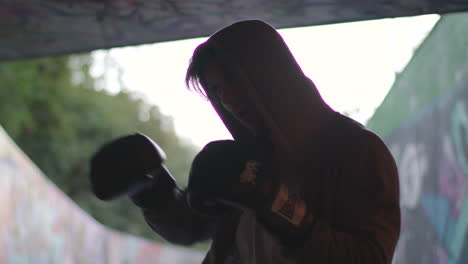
point(225, 172)
point(230, 174)
point(127, 165)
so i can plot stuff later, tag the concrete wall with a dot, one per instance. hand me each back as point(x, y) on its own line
point(40, 224)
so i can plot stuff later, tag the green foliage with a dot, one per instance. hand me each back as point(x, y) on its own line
point(58, 117)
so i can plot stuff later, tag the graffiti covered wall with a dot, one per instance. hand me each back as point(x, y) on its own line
point(424, 121)
point(431, 151)
point(40, 224)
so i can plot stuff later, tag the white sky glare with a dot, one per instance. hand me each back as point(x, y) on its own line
point(352, 64)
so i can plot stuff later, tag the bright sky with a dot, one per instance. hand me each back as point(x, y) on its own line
point(352, 64)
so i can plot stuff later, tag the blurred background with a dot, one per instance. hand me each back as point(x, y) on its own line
point(405, 78)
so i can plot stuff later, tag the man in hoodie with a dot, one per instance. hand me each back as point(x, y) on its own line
point(300, 183)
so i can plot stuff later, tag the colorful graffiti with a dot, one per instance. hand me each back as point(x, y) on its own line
point(431, 151)
point(40, 224)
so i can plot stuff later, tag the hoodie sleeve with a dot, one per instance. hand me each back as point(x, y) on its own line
point(367, 211)
point(177, 223)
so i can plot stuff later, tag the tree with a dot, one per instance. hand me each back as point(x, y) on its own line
point(53, 110)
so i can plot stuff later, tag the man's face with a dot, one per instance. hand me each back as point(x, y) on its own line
point(232, 97)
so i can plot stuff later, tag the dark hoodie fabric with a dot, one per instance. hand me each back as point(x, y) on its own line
point(344, 173)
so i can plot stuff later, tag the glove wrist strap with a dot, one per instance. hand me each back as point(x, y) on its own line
point(287, 216)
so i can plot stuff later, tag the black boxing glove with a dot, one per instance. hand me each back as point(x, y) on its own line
point(225, 173)
point(229, 173)
point(131, 165)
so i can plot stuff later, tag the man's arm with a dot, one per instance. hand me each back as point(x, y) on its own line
point(132, 166)
point(174, 220)
point(367, 210)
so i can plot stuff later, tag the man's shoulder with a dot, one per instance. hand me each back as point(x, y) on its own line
point(349, 133)
point(344, 130)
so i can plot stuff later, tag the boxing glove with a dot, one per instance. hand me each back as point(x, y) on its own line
point(228, 173)
point(129, 165)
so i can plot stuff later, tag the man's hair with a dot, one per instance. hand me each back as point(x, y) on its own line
point(194, 78)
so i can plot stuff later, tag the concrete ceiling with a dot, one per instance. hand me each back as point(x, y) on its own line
point(34, 28)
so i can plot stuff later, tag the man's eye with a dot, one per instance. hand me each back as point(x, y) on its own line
point(219, 92)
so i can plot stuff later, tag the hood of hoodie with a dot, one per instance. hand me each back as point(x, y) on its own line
point(286, 99)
